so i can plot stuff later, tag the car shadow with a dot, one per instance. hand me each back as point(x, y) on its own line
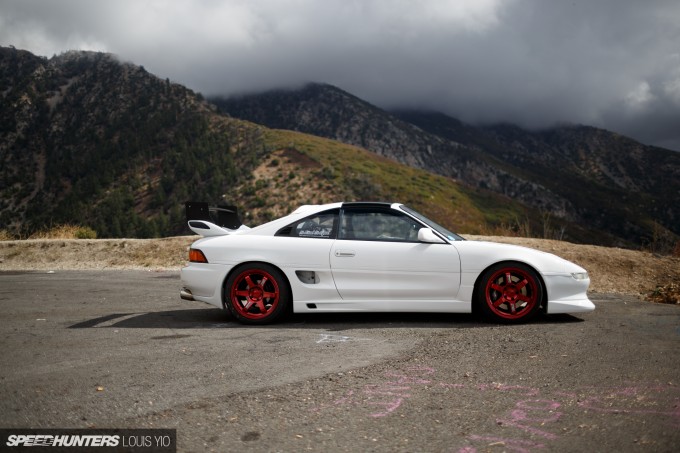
point(212, 318)
point(343, 321)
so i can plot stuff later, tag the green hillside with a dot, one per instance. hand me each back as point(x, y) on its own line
point(89, 140)
point(306, 169)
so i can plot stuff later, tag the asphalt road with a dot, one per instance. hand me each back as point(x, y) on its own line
point(113, 349)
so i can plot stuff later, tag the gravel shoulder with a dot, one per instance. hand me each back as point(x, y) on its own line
point(612, 270)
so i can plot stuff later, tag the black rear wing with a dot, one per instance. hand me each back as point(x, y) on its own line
point(225, 216)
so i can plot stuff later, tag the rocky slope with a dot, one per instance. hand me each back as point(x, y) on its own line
point(623, 192)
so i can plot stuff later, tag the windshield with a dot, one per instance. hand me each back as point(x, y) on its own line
point(434, 225)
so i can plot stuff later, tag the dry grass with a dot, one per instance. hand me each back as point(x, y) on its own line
point(669, 294)
point(67, 231)
point(612, 270)
point(82, 254)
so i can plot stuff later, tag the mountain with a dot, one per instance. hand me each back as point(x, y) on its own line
point(86, 138)
point(593, 185)
point(611, 182)
point(327, 111)
point(90, 140)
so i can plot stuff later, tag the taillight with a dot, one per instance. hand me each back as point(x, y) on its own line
point(196, 256)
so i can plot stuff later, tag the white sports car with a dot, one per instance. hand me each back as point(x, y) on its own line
point(368, 257)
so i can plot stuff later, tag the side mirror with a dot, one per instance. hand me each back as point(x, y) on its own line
point(428, 236)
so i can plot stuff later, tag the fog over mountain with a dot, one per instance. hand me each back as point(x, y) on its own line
point(613, 64)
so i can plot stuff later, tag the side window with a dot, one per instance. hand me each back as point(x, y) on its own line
point(322, 226)
point(372, 225)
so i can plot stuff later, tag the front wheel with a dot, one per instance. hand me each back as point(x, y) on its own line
point(510, 293)
point(257, 293)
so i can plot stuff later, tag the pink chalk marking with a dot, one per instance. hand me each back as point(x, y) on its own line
point(520, 415)
point(566, 394)
point(389, 390)
point(410, 380)
point(425, 369)
point(518, 445)
point(454, 386)
point(528, 391)
point(338, 402)
point(411, 375)
point(400, 387)
point(605, 400)
point(344, 399)
point(538, 405)
point(394, 388)
point(595, 404)
point(528, 429)
point(630, 390)
point(389, 407)
point(602, 402)
point(414, 377)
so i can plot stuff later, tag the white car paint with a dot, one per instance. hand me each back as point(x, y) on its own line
point(363, 275)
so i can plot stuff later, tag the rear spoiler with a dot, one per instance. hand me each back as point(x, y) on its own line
point(213, 220)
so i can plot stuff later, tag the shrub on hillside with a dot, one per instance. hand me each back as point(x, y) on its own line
point(65, 232)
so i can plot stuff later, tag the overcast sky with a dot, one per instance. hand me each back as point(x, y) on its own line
point(608, 63)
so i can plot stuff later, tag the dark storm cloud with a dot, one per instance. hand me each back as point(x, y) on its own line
point(609, 63)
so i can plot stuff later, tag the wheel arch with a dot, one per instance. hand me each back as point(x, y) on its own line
point(475, 290)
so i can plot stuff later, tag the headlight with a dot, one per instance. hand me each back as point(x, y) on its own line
point(580, 275)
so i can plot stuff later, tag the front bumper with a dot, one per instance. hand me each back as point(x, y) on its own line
point(567, 295)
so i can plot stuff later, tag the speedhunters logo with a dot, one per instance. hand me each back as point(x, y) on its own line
point(64, 440)
point(94, 440)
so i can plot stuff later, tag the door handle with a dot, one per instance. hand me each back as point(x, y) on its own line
point(344, 253)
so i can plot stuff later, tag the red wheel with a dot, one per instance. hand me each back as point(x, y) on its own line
point(256, 294)
point(510, 292)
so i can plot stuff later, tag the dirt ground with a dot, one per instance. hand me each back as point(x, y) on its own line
point(612, 270)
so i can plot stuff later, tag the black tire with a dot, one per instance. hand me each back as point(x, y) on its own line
point(510, 293)
point(257, 293)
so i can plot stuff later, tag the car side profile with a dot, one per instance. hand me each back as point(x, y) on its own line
point(368, 257)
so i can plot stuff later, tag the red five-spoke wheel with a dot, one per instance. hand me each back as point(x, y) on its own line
point(256, 294)
point(510, 292)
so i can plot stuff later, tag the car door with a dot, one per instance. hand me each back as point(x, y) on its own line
point(377, 256)
point(301, 250)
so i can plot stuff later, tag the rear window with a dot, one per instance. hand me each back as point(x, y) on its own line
point(322, 226)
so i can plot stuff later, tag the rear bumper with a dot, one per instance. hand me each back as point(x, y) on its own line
point(203, 283)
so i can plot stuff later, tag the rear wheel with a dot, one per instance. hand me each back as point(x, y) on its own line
point(257, 293)
point(510, 293)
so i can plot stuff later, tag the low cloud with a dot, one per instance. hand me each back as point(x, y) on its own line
point(609, 63)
